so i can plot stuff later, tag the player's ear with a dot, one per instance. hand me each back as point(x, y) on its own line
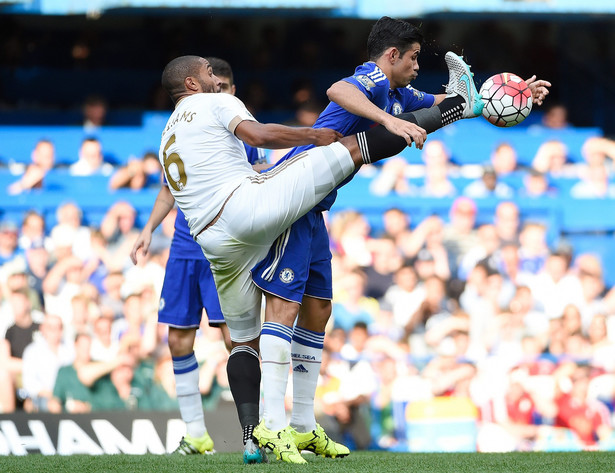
point(393, 54)
point(191, 84)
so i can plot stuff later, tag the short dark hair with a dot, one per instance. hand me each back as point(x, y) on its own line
point(389, 32)
point(176, 71)
point(221, 68)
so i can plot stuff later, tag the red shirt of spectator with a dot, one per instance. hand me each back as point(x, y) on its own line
point(574, 411)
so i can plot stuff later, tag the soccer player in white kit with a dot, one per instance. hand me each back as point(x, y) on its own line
point(235, 214)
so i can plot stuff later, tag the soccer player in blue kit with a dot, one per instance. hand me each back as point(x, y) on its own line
point(296, 274)
point(189, 288)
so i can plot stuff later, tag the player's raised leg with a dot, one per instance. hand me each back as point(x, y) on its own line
point(461, 82)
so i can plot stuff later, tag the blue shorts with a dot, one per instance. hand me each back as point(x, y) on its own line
point(299, 262)
point(188, 288)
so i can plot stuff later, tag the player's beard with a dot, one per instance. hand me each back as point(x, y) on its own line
point(210, 88)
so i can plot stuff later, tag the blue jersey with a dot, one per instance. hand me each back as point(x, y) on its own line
point(183, 245)
point(307, 256)
point(370, 80)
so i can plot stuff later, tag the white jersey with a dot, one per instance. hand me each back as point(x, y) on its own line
point(203, 159)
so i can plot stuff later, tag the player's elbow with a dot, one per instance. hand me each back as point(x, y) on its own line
point(336, 91)
point(332, 93)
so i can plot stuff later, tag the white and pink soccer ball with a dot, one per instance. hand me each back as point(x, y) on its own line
point(508, 99)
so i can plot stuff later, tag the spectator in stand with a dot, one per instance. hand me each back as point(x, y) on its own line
point(137, 319)
point(396, 223)
point(536, 185)
point(504, 159)
point(535, 321)
point(119, 384)
point(63, 281)
point(533, 249)
point(350, 238)
point(507, 221)
point(118, 229)
point(14, 278)
point(91, 160)
point(9, 247)
point(437, 159)
point(385, 432)
point(599, 150)
point(552, 159)
point(555, 286)
point(487, 244)
point(17, 337)
point(459, 234)
point(41, 361)
point(329, 407)
point(488, 186)
point(386, 259)
point(352, 305)
point(392, 179)
point(588, 418)
point(602, 349)
point(104, 347)
point(447, 374)
point(32, 231)
point(571, 320)
point(594, 184)
point(555, 117)
point(70, 216)
point(7, 383)
point(69, 393)
point(111, 296)
point(588, 268)
point(506, 260)
point(405, 296)
point(481, 299)
point(43, 160)
point(162, 393)
point(138, 173)
point(94, 112)
point(357, 385)
point(515, 411)
point(434, 309)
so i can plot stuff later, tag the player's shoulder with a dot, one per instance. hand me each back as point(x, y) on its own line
point(370, 76)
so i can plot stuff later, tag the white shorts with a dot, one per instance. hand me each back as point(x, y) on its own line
point(261, 208)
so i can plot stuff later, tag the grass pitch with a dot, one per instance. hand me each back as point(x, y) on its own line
point(357, 462)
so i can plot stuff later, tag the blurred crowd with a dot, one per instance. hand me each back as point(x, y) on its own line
point(489, 311)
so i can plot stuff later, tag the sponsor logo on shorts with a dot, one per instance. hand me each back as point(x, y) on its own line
point(366, 81)
point(161, 304)
point(287, 275)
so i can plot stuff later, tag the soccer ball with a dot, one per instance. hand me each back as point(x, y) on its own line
point(508, 99)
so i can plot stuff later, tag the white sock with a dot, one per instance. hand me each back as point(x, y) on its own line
point(186, 370)
point(306, 354)
point(275, 363)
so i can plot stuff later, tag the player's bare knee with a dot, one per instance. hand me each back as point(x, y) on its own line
point(181, 341)
point(350, 142)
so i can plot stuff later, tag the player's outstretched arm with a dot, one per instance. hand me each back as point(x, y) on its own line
point(539, 88)
point(274, 136)
point(162, 206)
point(350, 98)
